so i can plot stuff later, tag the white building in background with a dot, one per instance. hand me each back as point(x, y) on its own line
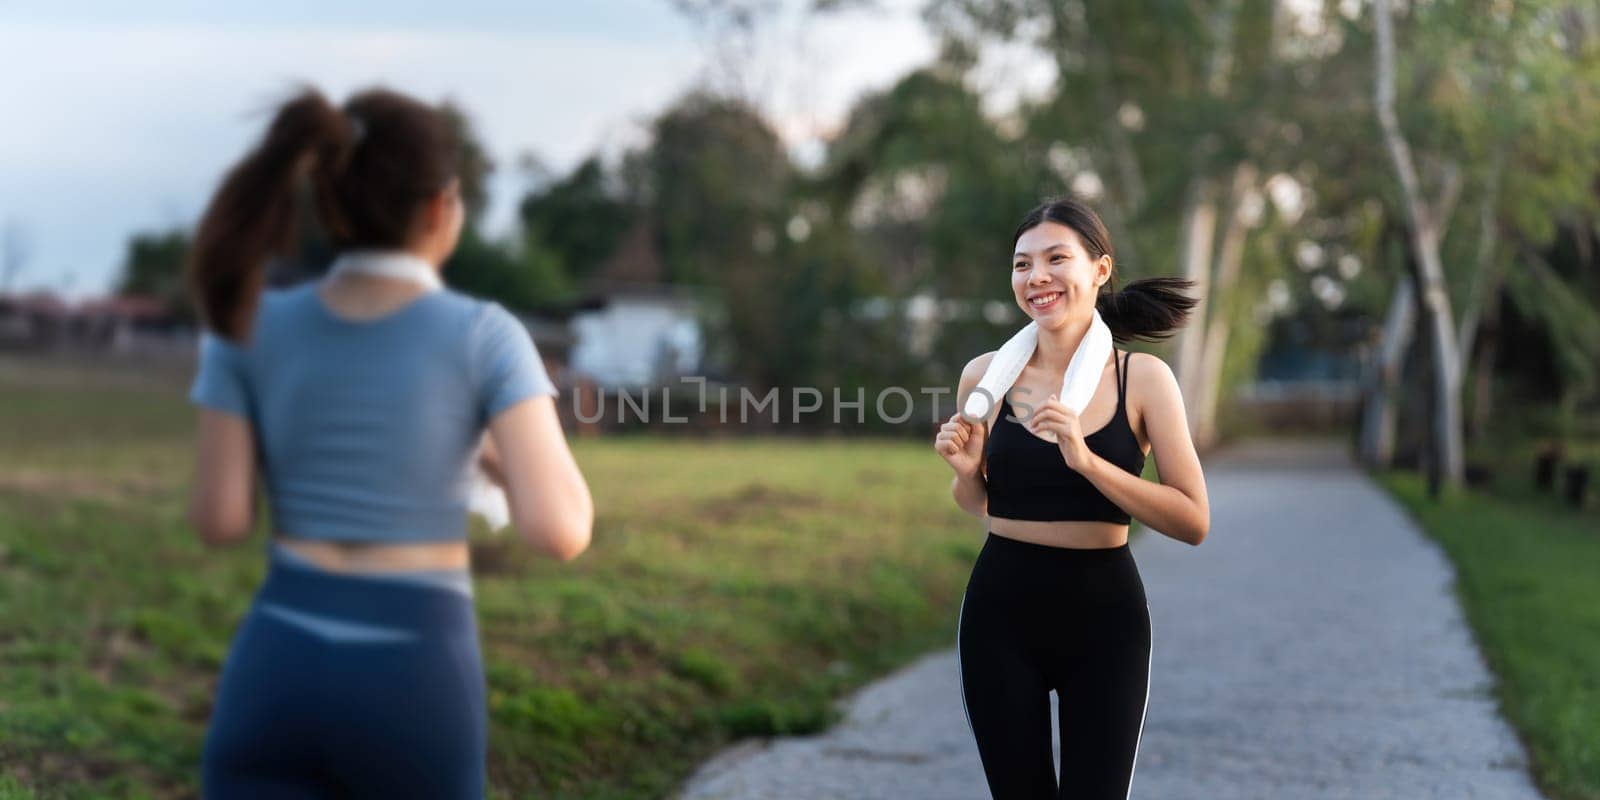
point(633, 330)
point(637, 339)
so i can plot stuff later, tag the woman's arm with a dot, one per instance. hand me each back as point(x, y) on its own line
point(972, 494)
point(550, 503)
point(970, 489)
point(1177, 506)
point(222, 496)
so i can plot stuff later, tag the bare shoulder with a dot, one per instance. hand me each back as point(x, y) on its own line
point(1149, 378)
point(973, 371)
point(1147, 366)
point(971, 374)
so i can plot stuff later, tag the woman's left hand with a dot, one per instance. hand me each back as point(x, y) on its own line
point(1054, 417)
point(489, 462)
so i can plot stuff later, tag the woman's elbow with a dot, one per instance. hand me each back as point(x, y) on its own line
point(564, 537)
point(218, 530)
point(562, 542)
point(572, 545)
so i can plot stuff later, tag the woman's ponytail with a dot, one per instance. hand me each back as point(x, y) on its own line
point(251, 217)
point(1151, 309)
point(370, 167)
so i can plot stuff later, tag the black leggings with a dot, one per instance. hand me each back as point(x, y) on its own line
point(1037, 618)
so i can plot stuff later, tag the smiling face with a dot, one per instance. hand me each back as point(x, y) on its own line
point(1053, 277)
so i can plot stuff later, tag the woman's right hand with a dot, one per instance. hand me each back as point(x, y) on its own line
point(960, 442)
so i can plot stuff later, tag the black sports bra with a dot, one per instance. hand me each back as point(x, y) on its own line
point(1028, 479)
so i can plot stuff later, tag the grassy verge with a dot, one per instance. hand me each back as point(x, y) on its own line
point(734, 588)
point(1529, 578)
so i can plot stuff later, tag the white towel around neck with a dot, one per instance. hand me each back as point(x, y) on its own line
point(388, 264)
point(1077, 385)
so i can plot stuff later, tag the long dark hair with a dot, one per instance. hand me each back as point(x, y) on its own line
point(1151, 309)
point(370, 166)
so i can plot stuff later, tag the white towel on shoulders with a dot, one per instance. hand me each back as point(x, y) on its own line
point(1077, 385)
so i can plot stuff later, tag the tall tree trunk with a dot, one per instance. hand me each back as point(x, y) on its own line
point(1378, 411)
point(1230, 256)
point(1424, 235)
point(1199, 356)
point(1199, 228)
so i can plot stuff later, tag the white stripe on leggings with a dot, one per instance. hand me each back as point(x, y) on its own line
point(1149, 662)
point(338, 630)
point(959, 672)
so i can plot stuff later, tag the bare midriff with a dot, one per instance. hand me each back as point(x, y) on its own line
point(379, 556)
point(1073, 534)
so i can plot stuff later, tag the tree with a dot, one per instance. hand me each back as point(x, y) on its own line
point(153, 266)
point(927, 188)
point(1506, 123)
point(526, 276)
point(718, 183)
point(527, 279)
point(1173, 113)
point(579, 220)
point(1422, 216)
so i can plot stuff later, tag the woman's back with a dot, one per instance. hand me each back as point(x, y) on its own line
point(357, 670)
point(366, 429)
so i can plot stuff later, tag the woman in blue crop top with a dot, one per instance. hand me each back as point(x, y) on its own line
point(1055, 601)
point(362, 401)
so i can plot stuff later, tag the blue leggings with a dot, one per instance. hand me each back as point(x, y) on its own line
point(382, 695)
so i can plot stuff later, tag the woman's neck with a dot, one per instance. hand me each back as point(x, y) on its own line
point(1057, 346)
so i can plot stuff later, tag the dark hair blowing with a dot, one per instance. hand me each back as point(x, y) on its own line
point(371, 165)
point(1151, 309)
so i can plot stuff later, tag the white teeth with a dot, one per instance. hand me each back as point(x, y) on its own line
point(1045, 300)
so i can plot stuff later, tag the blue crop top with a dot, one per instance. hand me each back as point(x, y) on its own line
point(366, 430)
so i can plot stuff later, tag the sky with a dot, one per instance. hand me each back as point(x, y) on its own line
point(122, 117)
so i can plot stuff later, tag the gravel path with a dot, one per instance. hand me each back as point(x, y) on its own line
point(1311, 648)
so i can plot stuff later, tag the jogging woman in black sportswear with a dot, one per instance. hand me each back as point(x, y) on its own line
point(1055, 601)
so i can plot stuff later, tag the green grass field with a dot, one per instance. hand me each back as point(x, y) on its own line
point(1528, 572)
point(734, 588)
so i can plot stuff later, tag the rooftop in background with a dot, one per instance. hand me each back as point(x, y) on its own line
point(634, 267)
point(48, 303)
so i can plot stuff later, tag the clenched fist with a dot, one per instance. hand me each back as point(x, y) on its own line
point(960, 442)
